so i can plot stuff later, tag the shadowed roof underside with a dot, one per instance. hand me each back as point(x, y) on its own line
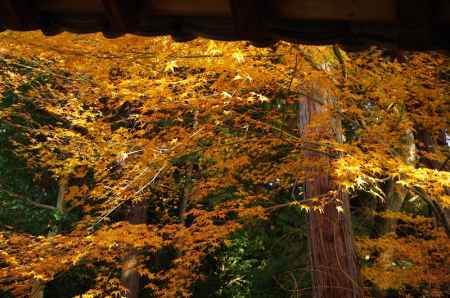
point(411, 24)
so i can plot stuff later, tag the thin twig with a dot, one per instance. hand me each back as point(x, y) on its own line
point(126, 200)
point(29, 201)
point(338, 54)
point(36, 204)
point(8, 62)
point(151, 181)
point(437, 210)
point(297, 139)
point(135, 55)
point(103, 217)
point(293, 74)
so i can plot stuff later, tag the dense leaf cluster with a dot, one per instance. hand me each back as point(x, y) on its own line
point(183, 166)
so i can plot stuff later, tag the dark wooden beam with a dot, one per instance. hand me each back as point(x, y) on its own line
point(410, 24)
point(18, 14)
point(122, 16)
point(10, 15)
point(415, 19)
point(252, 20)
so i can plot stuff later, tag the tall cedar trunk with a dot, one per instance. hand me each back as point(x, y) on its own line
point(334, 266)
point(130, 277)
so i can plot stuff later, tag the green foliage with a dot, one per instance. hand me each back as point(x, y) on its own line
point(8, 99)
point(240, 264)
point(17, 189)
point(25, 186)
point(220, 196)
point(72, 283)
point(6, 294)
point(265, 259)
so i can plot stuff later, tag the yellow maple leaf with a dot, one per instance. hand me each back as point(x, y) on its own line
point(213, 49)
point(171, 66)
point(238, 56)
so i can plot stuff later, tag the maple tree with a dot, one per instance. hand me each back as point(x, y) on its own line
point(150, 156)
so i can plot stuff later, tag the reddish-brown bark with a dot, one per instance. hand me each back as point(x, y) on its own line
point(334, 266)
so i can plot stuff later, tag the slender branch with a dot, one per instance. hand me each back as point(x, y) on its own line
point(36, 204)
point(8, 62)
point(126, 200)
point(109, 212)
point(308, 58)
point(338, 54)
point(135, 55)
point(29, 201)
point(444, 164)
point(297, 203)
point(294, 74)
point(152, 180)
point(297, 139)
point(436, 208)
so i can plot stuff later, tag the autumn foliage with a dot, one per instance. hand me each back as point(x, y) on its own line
point(158, 152)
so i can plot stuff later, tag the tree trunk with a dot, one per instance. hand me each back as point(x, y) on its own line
point(188, 183)
point(333, 259)
point(395, 193)
point(426, 143)
point(334, 266)
point(37, 290)
point(130, 277)
point(395, 196)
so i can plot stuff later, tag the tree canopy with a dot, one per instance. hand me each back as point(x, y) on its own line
point(187, 166)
